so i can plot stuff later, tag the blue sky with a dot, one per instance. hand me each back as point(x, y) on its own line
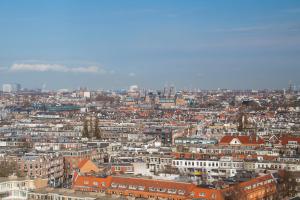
point(151, 43)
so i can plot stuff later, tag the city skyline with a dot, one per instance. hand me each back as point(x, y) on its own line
point(194, 44)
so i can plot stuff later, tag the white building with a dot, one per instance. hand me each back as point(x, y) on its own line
point(9, 88)
point(17, 189)
point(224, 167)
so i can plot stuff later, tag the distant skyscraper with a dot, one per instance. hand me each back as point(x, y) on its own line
point(9, 88)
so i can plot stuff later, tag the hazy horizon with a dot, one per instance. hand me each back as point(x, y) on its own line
point(115, 44)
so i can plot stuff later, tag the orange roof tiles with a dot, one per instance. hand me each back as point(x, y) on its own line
point(245, 140)
point(286, 139)
point(158, 188)
point(82, 163)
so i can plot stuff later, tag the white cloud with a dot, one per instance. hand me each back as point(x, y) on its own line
point(3, 68)
point(132, 74)
point(55, 68)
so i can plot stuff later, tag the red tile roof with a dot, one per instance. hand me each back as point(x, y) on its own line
point(147, 183)
point(245, 140)
point(284, 140)
point(160, 188)
point(82, 163)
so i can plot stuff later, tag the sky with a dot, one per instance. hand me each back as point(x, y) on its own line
point(109, 44)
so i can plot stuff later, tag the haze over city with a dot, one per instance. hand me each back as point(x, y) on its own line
point(115, 44)
point(149, 99)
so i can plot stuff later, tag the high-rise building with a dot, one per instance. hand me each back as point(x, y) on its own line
point(9, 88)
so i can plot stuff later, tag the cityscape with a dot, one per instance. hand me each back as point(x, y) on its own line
point(159, 100)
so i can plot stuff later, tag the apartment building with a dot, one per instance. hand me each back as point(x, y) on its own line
point(18, 188)
point(157, 163)
point(223, 167)
point(143, 188)
point(49, 166)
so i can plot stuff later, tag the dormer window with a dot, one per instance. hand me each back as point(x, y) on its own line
point(132, 187)
point(95, 183)
point(122, 186)
point(181, 192)
point(85, 182)
point(161, 189)
point(141, 188)
point(114, 185)
point(172, 191)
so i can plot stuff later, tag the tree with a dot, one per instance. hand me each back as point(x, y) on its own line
point(97, 132)
point(236, 192)
point(91, 128)
point(85, 131)
point(7, 168)
point(286, 186)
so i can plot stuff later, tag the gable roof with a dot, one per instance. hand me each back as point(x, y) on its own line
point(284, 140)
point(82, 163)
point(246, 140)
point(147, 183)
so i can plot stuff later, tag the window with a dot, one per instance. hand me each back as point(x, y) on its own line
point(181, 192)
point(95, 183)
point(161, 189)
point(122, 186)
point(141, 188)
point(85, 182)
point(172, 191)
point(202, 194)
point(213, 196)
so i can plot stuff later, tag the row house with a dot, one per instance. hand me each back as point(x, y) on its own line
point(17, 188)
point(263, 187)
point(143, 188)
point(122, 168)
point(271, 165)
point(47, 146)
point(224, 167)
point(72, 159)
point(250, 141)
point(58, 194)
point(49, 166)
point(158, 163)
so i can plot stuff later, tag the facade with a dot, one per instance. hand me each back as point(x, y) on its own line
point(17, 189)
point(122, 168)
point(263, 187)
point(158, 163)
point(47, 166)
point(251, 141)
point(212, 169)
point(166, 137)
point(143, 188)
